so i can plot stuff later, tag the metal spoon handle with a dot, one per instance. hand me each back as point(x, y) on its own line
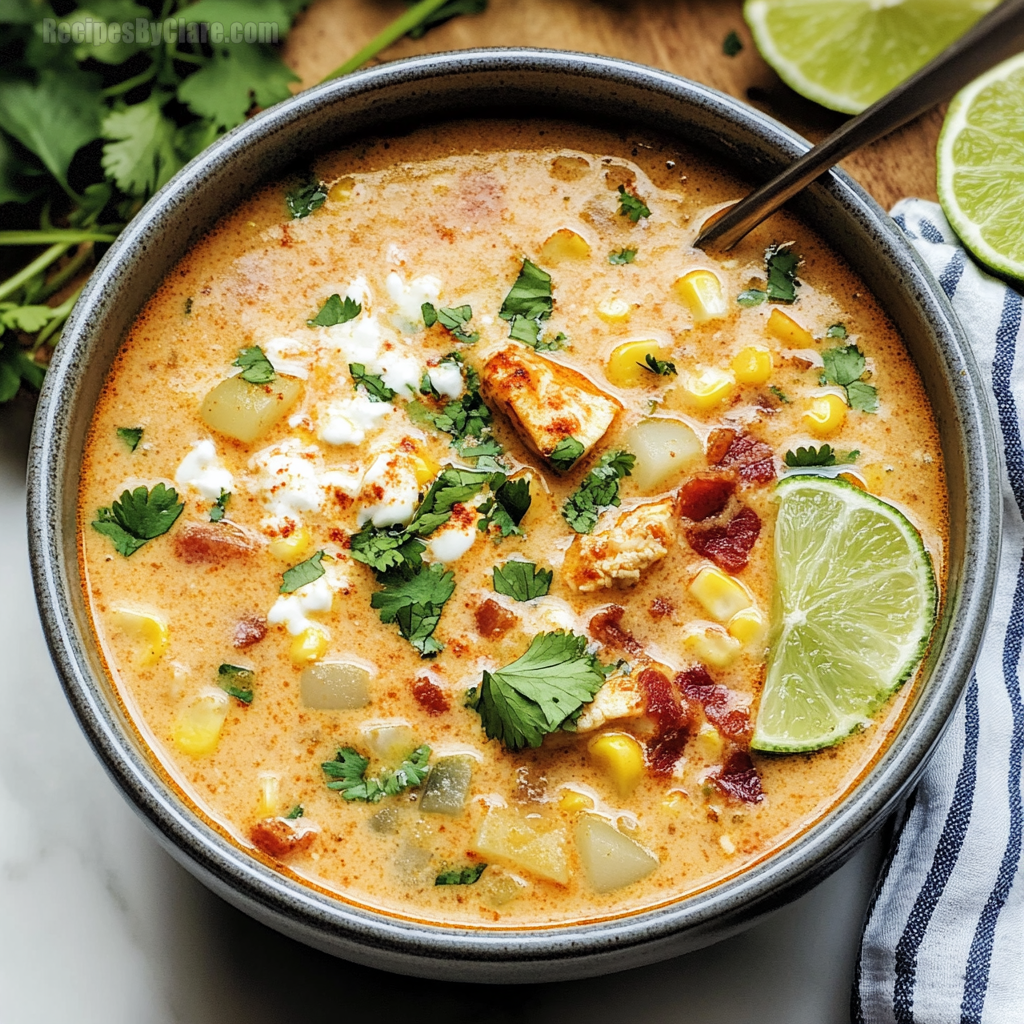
point(998, 35)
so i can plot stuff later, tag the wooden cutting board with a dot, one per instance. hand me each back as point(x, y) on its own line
point(681, 36)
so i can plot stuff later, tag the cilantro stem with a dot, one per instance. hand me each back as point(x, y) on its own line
point(130, 83)
point(41, 262)
point(66, 273)
point(389, 34)
point(60, 314)
point(68, 236)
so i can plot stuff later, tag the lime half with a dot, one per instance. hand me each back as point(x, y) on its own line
point(854, 606)
point(845, 54)
point(981, 166)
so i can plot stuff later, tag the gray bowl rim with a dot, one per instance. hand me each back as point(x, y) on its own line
point(503, 954)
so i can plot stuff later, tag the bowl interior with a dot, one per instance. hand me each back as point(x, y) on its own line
point(508, 83)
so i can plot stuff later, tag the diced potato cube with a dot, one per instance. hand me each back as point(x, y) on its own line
point(564, 245)
point(826, 415)
point(246, 411)
point(713, 646)
point(610, 859)
point(270, 796)
point(293, 547)
point(310, 645)
point(710, 742)
point(335, 686)
point(786, 329)
point(664, 448)
point(707, 387)
point(532, 843)
point(391, 742)
point(626, 366)
point(148, 633)
point(497, 890)
point(752, 365)
point(447, 786)
point(196, 730)
point(614, 310)
point(720, 594)
point(621, 757)
point(747, 626)
point(701, 291)
point(547, 403)
point(572, 801)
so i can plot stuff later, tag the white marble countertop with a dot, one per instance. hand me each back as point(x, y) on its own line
point(98, 924)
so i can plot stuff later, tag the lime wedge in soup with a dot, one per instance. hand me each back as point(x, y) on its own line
point(854, 605)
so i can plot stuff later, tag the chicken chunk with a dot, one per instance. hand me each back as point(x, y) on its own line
point(620, 697)
point(546, 402)
point(615, 557)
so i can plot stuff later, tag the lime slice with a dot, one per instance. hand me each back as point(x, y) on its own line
point(854, 606)
point(845, 54)
point(981, 166)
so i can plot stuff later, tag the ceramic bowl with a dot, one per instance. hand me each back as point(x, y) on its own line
point(380, 100)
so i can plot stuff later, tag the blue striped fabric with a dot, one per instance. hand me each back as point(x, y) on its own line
point(943, 941)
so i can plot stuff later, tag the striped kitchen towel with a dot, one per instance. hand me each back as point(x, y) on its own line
point(944, 938)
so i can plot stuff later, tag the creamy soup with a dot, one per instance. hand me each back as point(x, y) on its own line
point(445, 578)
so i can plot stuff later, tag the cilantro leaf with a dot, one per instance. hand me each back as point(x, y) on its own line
point(140, 154)
point(843, 365)
point(305, 572)
point(256, 367)
point(732, 44)
point(506, 508)
point(823, 456)
point(617, 259)
point(599, 490)
point(549, 344)
point(429, 313)
point(237, 682)
point(17, 367)
point(529, 296)
point(779, 394)
point(522, 581)
point(661, 367)
point(386, 548)
point(131, 436)
point(452, 319)
point(781, 265)
point(526, 330)
point(565, 454)
point(751, 297)
point(347, 770)
point(837, 331)
point(296, 812)
point(631, 206)
point(348, 775)
point(415, 604)
point(138, 516)
point(464, 417)
point(335, 311)
point(540, 692)
point(376, 389)
point(449, 487)
point(461, 876)
point(306, 199)
point(862, 396)
point(220, 506)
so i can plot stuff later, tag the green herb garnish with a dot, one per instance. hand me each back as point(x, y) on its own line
point(220, 506)
point(505, 508)
point(660, 367)
point(522, 581)
point(751, 297)
point(779, 394)
point(335, 311)
point(631, 207)
point(844, 367)
point(467, 418)
point(837, 331)
point(348, 775)
point(131, 436)
point(237, 682)
point(781, 265)
point(256, 367)
point(453, 319)
point(138, 516)
point(826, 455)
point(461, 876)
point(306, 198)
point(415, 605)
point(599, 490)
point(305, 572)
point(617, 259)
point(565, 454)
point(376, 389)
point(296, 812)
point(731, 44)
point(528, 303)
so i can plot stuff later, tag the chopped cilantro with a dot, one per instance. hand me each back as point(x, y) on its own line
point(617, 259)
point(630, 206)
point(138, 516)
point(506, 508)
point(540, 692)
point(565, 454)
point(306, 198)
point(751, 297)
point(461, 876)
point(449, 487)
point(335, 311)
point(348, 775)
point(779, 394)
point(599, 490)
point(844, 367)
point(376, 389)
point(823, 456)
point(220, 506)
point(256, 367)
point(131, 436)
point(237, 682)
point(305, 572)
point(429, 313)
point(862, 396)
point(528, 303)
point(837, 331)
point(522, 581)
point(452, 319)
point(661, 367)
point(296, 812)
point(781, 265)
point(415, 604)
point(559, 341)
point(464, 417)
point(188, 306)
point(731, 44)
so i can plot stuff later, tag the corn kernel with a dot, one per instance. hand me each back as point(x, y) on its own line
point(573, 801)
point(701, 291)
point(785, 328)
point(674, 800)
point(712, 646)
point(626, 366)
point(309, 646)
point(621, 756)
point(826, 415)
point(746, 626)
point(707, 387)
point(292, 547)
point(148, 633)
point(425, 468)
point(721, 595)
point(270, 796)
point(709, 742)
point(614, 310)
point(341, 190)
point(196, 730)
point(727, 844)
point(853, 480)
point(564, 245)
point(752, 365)
point(874, 476)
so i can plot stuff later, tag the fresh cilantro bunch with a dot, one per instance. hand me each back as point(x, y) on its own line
point(541, 692)
point(138, 516)
point(347, 773)
point(599, 490)
point(845, 368)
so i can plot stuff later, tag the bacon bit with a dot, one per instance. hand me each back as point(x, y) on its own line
point(605, 626)
point(698, 687)
point(661, 607)
point(279, 838)
point(727, 546)
point(706, 494)
point(212, 543)
point(718, 444)
point(430, 696)
point(673, 720)
point(493, 621)
point(738, 778)
point(753, 458)
point(248, 631)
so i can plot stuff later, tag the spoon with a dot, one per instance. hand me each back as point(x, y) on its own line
point(998, 35)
